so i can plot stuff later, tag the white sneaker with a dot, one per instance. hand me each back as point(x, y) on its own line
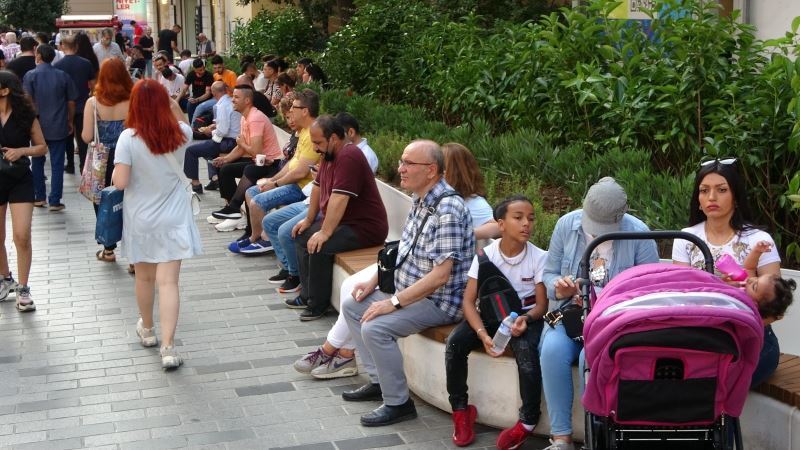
point(24, 299)
point(170, 359)
point(147, 336)
point(232, 224)
point(214, 220)
point(559, 444)
point(7, 286)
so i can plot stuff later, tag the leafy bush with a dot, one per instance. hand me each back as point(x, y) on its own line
point(285, 32)
point(362, 54)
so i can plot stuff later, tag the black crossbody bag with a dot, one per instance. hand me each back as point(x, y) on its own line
point(387, 256)
point(497, 298)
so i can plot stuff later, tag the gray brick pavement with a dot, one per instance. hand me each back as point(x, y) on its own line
point(72, 374)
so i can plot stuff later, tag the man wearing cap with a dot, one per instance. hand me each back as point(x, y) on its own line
point(604, 211)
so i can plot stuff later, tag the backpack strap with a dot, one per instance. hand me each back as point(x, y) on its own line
point(430, 211)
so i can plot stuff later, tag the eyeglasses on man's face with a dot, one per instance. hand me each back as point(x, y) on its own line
point(406, 163)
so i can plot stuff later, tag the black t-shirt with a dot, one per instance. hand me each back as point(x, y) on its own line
point(140, 64)
point(146, 42)
point(21, 65)
point(262, 104)
point(81, 71)
point(165, 39)
point(199, 84)
point(121, 40)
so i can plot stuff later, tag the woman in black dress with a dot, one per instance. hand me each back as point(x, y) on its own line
point(20, 138)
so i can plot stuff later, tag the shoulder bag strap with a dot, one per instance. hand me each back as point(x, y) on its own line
point(429, 212)
point(96, 131)
point(173, 163)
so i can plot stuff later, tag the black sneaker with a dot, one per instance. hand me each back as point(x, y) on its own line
point(279, 277)
point(291, 284)
point(296, 303)
point(197, 188)
point(69, 169)
point(309, 315)
point(212, 185)
point(227, 212)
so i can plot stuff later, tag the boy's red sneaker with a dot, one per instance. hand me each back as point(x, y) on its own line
point(464, 425)
point(513, 437)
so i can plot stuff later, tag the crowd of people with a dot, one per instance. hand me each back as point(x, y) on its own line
point(317, 196)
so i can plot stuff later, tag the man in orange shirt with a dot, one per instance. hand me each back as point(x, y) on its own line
point(221, 73)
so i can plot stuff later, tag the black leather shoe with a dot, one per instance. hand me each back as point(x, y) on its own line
point(365, 393)
point(387, 415)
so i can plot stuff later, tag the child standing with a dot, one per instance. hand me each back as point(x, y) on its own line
point(522, 263)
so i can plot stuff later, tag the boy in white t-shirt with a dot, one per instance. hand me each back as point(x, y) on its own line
point(522, 263)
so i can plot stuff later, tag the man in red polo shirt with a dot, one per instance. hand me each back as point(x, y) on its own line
point(345, 213)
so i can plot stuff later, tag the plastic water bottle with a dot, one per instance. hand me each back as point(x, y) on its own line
point(503, 335)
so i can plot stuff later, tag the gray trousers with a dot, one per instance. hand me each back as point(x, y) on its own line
point(376, 340)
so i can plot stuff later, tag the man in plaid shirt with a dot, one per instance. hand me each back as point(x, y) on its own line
point(429, 284)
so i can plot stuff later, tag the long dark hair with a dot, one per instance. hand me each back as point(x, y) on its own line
point(83, 48)
point(21, 104)
point(742, 218)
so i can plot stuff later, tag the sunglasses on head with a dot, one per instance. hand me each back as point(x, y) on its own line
point(724, 161)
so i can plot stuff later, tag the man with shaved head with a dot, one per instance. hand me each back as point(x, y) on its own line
point(223, 132)
point(435, 252)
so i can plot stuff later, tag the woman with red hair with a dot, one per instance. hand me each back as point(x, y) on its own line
point(158, 226)
point(109, 107)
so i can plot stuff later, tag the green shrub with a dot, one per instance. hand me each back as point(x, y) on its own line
point(285, 32)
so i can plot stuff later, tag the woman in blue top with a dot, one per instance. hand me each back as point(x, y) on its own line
point(604, 210)
point(110, 105)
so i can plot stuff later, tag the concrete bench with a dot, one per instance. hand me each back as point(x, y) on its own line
point(771, 418)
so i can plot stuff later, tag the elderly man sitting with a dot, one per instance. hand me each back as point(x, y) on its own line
point(429, 284)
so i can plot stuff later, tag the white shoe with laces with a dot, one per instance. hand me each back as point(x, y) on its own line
point(147, 336)
point(170, 359)
point(559, 444)
point(24, 299)
point(232, 224)
point(7, 286)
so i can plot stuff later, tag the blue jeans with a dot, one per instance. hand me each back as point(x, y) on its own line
point(198, 109)
point(557, 355)
point(56, 149)
point(767, 359)
point(279, 196)
point(207, 150)
point(148, 67)
point(278, 225)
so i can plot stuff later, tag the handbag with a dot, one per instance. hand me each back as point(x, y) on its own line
point(93, 177)
point(194, 199)
point(497, 297)
point(571, 315)
point(387, 256)
point(108, 230)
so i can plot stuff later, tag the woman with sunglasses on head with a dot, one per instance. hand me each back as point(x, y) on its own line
point(20, 138)
point(720, 215)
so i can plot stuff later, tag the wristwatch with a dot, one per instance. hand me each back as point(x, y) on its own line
point(396, 302)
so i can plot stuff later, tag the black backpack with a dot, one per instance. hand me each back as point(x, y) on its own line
point(497, 298)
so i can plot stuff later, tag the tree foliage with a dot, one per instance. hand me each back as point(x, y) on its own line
point(37, 15)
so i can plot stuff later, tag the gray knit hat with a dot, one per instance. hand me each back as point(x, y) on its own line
point(603, 207)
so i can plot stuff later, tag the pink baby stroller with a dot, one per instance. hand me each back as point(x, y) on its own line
point(670, 352)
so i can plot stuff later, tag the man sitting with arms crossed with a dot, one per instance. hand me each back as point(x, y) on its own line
point(345, 213)
point(429, 284)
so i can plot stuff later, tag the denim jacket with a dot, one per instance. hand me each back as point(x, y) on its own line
point(568, 243)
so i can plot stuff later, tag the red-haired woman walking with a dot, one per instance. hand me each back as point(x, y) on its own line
point(158, 227)
point(109, 107)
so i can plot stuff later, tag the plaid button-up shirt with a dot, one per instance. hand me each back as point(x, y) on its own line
point(448, 234)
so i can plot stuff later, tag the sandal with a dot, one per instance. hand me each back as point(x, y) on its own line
point(106, 255)
point(131, 269)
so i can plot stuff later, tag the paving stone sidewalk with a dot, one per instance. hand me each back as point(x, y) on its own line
point(73, 375)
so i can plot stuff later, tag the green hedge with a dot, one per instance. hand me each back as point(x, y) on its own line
point(595, 94)
point(528, 161)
